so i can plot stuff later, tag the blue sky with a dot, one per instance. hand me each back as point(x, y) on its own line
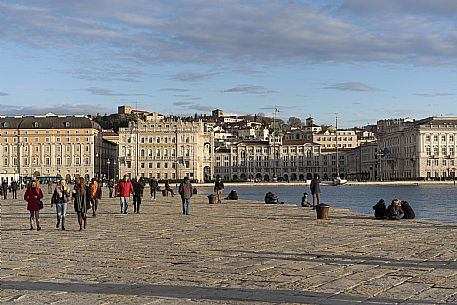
point(366, 60)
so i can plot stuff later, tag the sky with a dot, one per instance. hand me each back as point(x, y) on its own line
point(363, 59)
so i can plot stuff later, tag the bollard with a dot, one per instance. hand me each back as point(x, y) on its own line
point(212, 199)
point(322, 211)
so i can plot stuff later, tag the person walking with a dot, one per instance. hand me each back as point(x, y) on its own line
point(81, 201)
point(123, 190)
point(168, 189)
point(153, 184)
point(60, 197)
point(33, 196)
point(94, 195)
point(14, 187)
point(219, 188)
point(138, 188)
point(111, 188)
point(315, 188)
point(5, 189)
point(185, 190)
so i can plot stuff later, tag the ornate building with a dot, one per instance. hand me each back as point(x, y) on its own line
point(166, 148)
point(424, 148)
point(49, 145)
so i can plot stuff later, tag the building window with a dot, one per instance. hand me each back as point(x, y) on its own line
point(59, 161)
point(78, 161)
point(68, 161)
point(158, 164)
point(48, 161)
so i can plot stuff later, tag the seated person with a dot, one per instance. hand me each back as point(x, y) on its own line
point(304, 200)
point(270, 198)
point(394, 211)
point(232, 195)
point(408, 210)
point(380, 210)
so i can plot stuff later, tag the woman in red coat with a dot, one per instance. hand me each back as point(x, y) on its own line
point(32, 195)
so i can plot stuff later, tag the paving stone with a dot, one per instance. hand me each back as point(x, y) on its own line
point(243, 252)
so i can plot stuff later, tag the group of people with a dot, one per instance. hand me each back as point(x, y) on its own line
point(398, 209)
point(85, 198)
point(12, 187)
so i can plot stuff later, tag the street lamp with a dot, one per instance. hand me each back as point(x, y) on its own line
point(108, 163)
point(99, 156)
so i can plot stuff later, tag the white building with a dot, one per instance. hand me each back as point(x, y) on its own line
point(167, 149)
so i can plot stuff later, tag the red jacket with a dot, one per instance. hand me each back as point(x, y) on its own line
point(124, 189)
point(32, 196)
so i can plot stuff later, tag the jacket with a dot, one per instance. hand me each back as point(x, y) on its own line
point(32, 196)
point(315, 186)
point(124, 189)
point(408, 210)
point(185, 190)
point(138, 188)
point(153, 183)
point(219, 185)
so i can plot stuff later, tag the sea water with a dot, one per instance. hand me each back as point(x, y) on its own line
point(428, 202)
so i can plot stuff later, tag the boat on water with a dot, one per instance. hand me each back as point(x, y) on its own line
point(339, 181)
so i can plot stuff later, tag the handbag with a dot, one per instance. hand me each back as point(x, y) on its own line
point(40, 204)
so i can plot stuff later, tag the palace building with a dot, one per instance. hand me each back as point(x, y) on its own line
point(49, 146)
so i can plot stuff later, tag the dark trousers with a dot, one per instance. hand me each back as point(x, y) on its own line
point(136, 204)
point(14, 194)
point(153, 192)
point(94, 202)
point(111, 190)
point(316, 199)
point(82, 219)
point(5, 194)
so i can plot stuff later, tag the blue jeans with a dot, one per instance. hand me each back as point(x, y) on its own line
point(124, 204)
point(185, 206)
point(61, 209)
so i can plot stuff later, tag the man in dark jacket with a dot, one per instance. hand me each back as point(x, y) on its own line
point(315, 188)
point(138, 188)
point(153, 184)
point(185, 190)
point(14, 187)
point(218, 189)
point(5, 189)
point(408, 212)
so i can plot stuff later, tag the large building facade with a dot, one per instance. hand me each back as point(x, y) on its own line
point(289, 160)
point(167, 149)
point(48, 145)
point(418, 149)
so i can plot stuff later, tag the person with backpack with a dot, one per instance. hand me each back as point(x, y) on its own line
point(153, 184)
point(33, 196)
point(185, 190)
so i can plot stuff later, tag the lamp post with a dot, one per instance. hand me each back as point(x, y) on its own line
point(108, 163)
point(114, 170)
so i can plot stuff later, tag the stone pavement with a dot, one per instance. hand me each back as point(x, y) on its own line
point(240, 252)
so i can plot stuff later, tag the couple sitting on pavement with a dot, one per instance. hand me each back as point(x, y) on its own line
point(398, 209)
point(271, 198)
